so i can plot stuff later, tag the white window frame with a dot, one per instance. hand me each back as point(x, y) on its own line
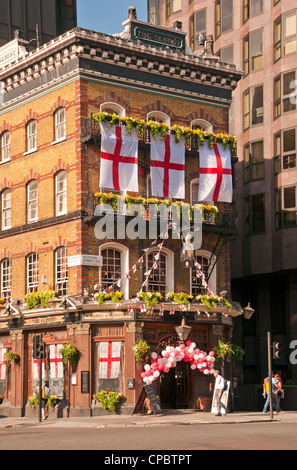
point(61, 192)
point(212, 282)
point(124, 251)
point(5, 146)
point(32, 265)
point(61, 259)
point(169, 266)
point(31, 136)
point(158, 116)
point(201, 123)
point(109, 106)
point(60, 124)
point(6, 209)
point(32, 201)
point(6, 279)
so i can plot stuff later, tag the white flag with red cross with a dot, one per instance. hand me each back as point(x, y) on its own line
point(215, 174)
point(3, 351)
point(36, 368)
point(110, 359)
point(56, 361)
point(168, 167)
point(119, 158)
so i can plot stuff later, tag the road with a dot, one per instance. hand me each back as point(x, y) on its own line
point(171, 438)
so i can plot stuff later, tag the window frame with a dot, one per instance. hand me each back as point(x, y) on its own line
point(30, 202)
point(32, 273)
point(61, 195)
point(61, 256)
point(169, 259)
point(31, 134)
point(212, 281)
point(6, 277)
point(5, 147)
point(124, 265)
point(60, 125)
point(6, 210)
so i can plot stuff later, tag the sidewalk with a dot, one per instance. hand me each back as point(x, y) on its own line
point(168, 418)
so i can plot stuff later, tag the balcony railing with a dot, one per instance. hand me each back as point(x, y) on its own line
point(91, 132)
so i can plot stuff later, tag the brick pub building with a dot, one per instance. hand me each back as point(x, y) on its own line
point(49, 175)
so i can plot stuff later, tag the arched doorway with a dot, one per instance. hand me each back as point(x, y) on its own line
point(175, 386)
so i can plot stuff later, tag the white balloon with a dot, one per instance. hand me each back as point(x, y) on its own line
point(206, 371)
point(147, 367)
point(156, 373)
point(193, 345)
point(193, 366)
point(154, 355)
point(163, 353)
point(196, 357)
point(168, 349)
point(201, 356)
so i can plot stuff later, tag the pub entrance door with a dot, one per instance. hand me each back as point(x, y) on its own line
point(175, 386)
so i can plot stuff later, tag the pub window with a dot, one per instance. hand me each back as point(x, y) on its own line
point(6, 209)
point(61, 271)
point(5, 146)
point(32, 273)
point(60, 124)
point(158, 116)
point(112, 108)
point(203, 258)
point(32, 201)
point(31, 136)
point(201, 124)
point(115, 266)
point(161, 277)
point(6, 280)
point(61, 192)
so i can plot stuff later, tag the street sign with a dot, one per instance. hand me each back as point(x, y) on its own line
point(84, 260)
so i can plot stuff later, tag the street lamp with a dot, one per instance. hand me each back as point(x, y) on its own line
point(183, 331)
point(248, 312)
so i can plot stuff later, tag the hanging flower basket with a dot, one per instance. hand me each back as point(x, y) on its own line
point(69, 354)
point(141, 350)
point(10, 357)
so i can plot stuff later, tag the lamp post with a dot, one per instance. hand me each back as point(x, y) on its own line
point(183, 331)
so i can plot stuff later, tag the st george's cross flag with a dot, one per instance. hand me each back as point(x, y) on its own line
point(215, 174)
point(168, 167)
point(56, 361)
point(119, 158)
point(3, 351)
point(110, 359)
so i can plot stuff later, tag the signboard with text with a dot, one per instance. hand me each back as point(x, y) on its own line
point(84, 260)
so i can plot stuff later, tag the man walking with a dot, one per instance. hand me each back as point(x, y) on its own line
point(218, 391)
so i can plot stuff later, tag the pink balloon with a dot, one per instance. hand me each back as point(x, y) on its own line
point(212, 353)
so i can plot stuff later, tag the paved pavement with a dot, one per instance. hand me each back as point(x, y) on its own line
point(169, 417)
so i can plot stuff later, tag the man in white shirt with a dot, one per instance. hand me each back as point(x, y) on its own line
point(219, 389)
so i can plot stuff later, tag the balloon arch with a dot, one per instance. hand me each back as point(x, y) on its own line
point(171, 355)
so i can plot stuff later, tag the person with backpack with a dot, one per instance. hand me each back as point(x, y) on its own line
point(220, 386)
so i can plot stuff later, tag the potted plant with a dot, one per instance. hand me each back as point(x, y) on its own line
point(150, 298)
point(108, 400)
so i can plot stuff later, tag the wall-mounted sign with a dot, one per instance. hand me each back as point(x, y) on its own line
point(157, 36)
point(84, 260)
point(11, 52)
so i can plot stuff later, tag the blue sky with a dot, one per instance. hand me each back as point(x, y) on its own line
point(107, 16)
